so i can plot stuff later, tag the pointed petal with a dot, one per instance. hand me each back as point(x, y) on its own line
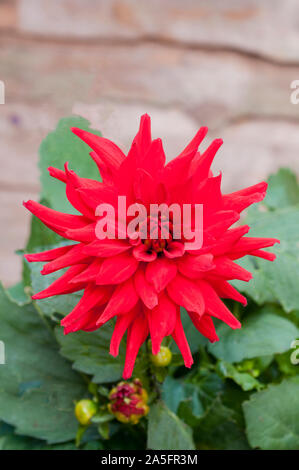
point(181, 341)
point(84, 234)
point(62, 285)
point(227, 291)
point(106, 248)
point(93, 296)
point(215, 307)
point(144, 289)
point(48, 255)
point(137, 334)
point(107, 150)
point(89, 274)
point(117, 269)
point(58, 174)
point(177, 170)
point(162, 321)
point(205, 326)
point(57, 221)
point(194, 266)
point(73, 256)
point(187, 294)
point(122, 324)
point(160, 272)
point(123, 299)
point(201, 164)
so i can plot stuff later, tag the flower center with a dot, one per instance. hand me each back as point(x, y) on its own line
point(159, 233)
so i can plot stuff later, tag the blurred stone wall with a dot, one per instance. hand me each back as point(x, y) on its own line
point(226, 64)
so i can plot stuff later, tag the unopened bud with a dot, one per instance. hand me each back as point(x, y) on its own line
point(84, 411)
point(163, 358)
point(128, 402)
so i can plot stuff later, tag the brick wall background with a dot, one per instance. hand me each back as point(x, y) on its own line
point(188, 63)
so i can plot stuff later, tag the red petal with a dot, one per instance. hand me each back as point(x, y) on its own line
point(137, 334)
point(143, 138)
point(225, 268)
point(48, 255)
point(106, 248)
point(160, 272)
point(248, 244)
point(123, 299)
point(162, 321)
point(263, 254)
point(58, 174)
point(205, 326)
point(90, 273)
point(73, 256)
point(141, 253)
point(92, 296)
point(177, 170)
point(201, 164)
point(226, 291)
point(195, 266)
point(107, 150)
point(187, 294)
point(181, 341)
point(215, 307)
point(62, 285)
point(57, 221)
point(84, 234)
point(144, 289)
point(174, 250)
point(117, 269)
point(121, 326)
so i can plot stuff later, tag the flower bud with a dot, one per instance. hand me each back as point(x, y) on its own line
point(128, 402)
point(84, 411)
point(163, 358)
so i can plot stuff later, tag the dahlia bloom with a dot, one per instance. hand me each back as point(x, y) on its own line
point(144, 282)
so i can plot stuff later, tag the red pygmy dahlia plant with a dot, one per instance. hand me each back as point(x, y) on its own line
point(143, 282)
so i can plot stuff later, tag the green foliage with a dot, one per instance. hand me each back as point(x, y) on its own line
point(166, 431)
point(89, 353)
point(263, 333)
point(272, 416)
point(277, 217)
point(37, 386)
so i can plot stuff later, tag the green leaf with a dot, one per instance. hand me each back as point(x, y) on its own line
point(219, 429)
point(245, 380)
point(283, 190)
point(262, 333)
point(90, 353)
point(175, 391)
point(166, 431)
point(272, 417)
point(37, 386)
point(18, 294)
point(62, 304)
point(59, 147)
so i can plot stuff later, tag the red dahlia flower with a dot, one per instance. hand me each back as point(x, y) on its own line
point(143, 282)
